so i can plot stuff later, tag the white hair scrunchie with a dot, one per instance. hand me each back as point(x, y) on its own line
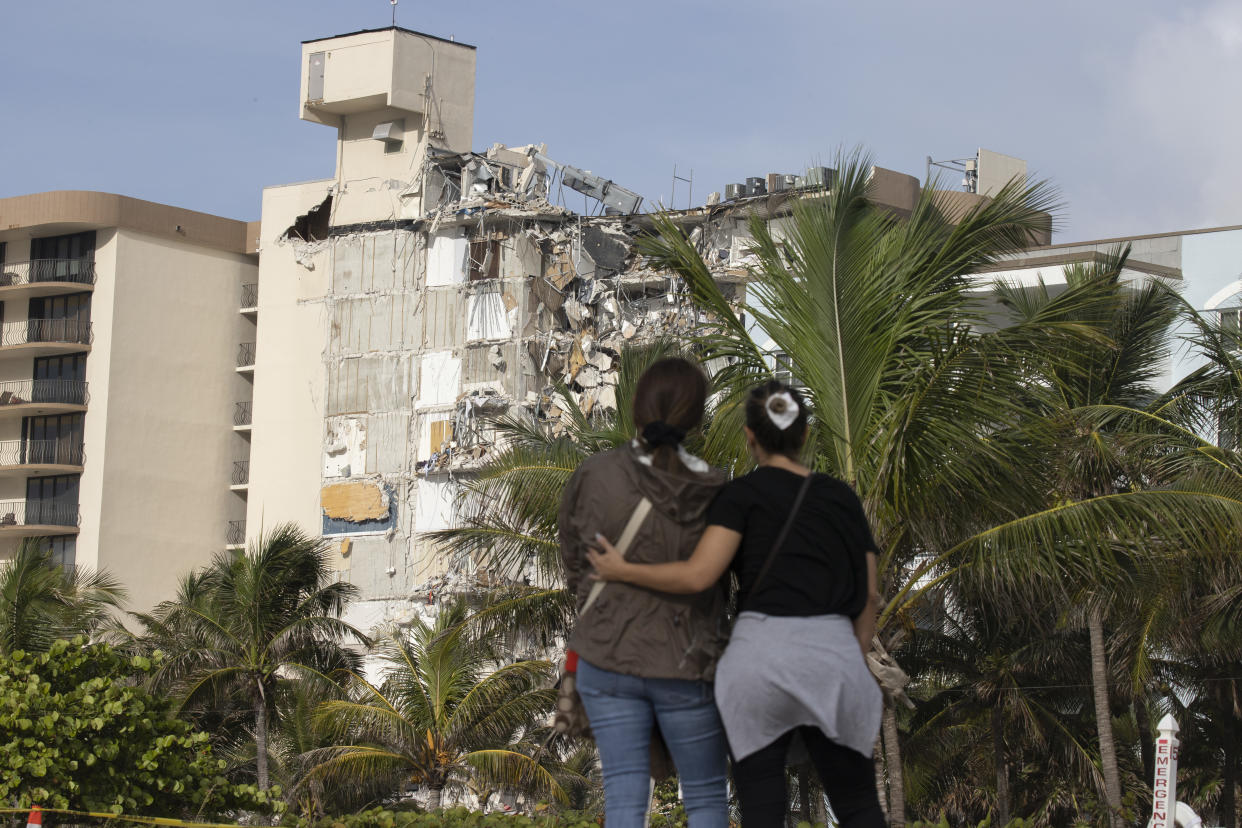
point(782, 415)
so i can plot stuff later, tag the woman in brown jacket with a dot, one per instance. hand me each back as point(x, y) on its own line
point(648, 657)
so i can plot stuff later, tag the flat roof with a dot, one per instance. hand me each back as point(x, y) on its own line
point(95, 210)
point(392, 29)
point(1119, 239)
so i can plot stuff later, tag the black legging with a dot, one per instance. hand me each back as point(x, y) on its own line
point(848, 778)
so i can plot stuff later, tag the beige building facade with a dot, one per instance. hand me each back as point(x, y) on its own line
point(117, 390)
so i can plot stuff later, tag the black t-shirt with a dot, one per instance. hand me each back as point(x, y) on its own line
point(821, 568)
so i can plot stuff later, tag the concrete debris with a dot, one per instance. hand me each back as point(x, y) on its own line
point(483, 298)
point(576, 312)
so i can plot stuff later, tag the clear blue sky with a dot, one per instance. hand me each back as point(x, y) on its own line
point(1130, 106)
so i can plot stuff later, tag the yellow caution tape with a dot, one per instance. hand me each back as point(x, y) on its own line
point(145, 820)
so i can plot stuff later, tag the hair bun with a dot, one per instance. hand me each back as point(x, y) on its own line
point(777, 405)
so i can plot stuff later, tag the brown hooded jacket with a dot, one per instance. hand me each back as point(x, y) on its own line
point(629, 629)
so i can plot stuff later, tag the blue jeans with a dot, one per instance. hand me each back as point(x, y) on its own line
point(622, 710)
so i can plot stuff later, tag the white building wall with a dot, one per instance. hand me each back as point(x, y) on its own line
point(293, 324)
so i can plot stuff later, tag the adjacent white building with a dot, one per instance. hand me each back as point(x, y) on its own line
point(117, 394)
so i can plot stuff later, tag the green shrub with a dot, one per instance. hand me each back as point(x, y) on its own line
point(453, 818)
point(76, 732)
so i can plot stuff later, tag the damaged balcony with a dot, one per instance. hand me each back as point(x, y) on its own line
point(37, 518)
point(45, 277)
point(46, 337)
point(23, 458)
point(38, 397)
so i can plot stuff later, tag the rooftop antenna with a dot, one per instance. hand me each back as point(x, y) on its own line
point(672, 199)
point(969, 167)
point(394, 12)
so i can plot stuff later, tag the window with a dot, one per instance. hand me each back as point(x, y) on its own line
point(783, 370)
point(53, 440)
point(73, 246)
point(64, 550)
point(68, 367)
point(52, 501)
point(1231, 320)
point(63, 258)
point(61, 488)
point(71, 306)
point(484, 259)
point(60, 319)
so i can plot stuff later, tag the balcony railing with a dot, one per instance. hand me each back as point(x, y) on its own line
point(77, 271)
point(245, 354)
point(76, 331)
point(40, 453)
point(37, 513)
point(237, 533)
point(20, 392)
point(241, 472)
point(242, 413)
point(250, 296)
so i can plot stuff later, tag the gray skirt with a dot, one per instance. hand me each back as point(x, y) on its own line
point(782, 672)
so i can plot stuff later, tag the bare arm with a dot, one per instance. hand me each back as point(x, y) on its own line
point(711, 558)
point(864, 624)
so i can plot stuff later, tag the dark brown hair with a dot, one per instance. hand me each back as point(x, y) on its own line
point(768, 435)
point(668, 403)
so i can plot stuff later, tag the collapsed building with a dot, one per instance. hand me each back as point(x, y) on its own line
point(426, 289)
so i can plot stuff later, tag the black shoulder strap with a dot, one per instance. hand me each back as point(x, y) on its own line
point(780, 539)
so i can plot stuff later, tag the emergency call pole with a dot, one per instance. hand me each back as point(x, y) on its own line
point(1164, 788)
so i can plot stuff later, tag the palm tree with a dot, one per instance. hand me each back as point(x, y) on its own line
point(447, 712)
point(918, 396)
point(988, 706)
point(250, 622)
point(41, 602)
point(1089, 399)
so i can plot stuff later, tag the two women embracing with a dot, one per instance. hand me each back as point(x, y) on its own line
point(654, 649)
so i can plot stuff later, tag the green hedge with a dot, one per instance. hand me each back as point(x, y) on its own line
point(1017, 822)
point(453, 818)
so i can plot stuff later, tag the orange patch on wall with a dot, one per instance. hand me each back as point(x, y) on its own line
point(354, 502)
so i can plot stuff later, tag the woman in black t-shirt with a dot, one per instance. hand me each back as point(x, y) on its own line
point(806, 565)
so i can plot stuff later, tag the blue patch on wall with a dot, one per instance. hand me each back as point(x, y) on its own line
point(340, 526)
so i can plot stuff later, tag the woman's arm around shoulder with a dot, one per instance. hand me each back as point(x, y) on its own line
point(711, 558)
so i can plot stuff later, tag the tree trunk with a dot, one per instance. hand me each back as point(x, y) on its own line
point(260, 739)
point(1000, 765)
point(1103, 718)
point(881, 788)
point(1229, 779)
point(1147, 731)
point(804, 793)
point(892, 759)
point(434, 796)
